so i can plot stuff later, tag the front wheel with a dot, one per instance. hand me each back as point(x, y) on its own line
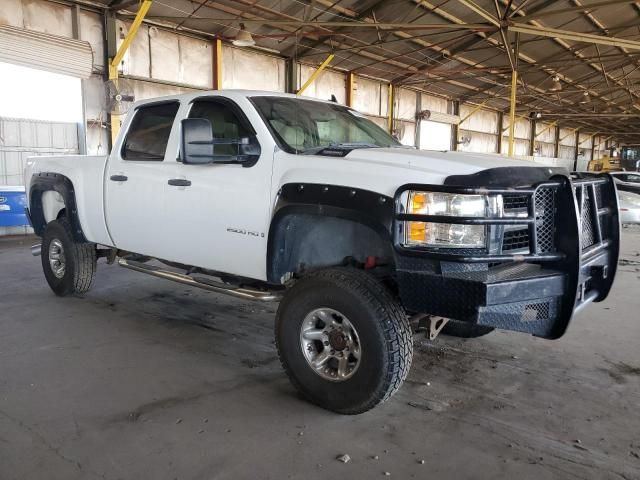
point(343, 340)
point(68, 266)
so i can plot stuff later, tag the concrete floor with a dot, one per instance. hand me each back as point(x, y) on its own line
point(146, 379)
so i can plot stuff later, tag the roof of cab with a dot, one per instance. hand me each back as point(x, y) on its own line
point(230, 93)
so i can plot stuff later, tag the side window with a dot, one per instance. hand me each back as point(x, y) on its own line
point(224, 123)
point(149, 131)
point(633, 178)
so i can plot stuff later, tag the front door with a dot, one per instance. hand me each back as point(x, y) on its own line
point(136, 178)
point(219, 214)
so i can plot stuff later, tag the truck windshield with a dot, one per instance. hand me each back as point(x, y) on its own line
point(309, 127)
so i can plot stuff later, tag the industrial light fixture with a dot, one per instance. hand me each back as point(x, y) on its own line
point(535, 115)
point(557, 86)
point(586, 98)
point(243, 38)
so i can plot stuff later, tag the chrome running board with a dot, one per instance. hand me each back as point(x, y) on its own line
point(204, 283)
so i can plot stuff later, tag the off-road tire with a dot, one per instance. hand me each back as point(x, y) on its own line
point(80, 258)
point(383, 329)
point(455, 328)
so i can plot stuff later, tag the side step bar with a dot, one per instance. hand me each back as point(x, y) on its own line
point(204, 283)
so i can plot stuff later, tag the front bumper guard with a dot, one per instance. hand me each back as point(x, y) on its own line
point(537, 292)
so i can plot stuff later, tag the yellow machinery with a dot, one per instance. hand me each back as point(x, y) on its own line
point(605, 164)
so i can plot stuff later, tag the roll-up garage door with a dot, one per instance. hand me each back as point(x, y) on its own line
point(44, 51)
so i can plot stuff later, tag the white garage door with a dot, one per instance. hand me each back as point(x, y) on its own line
point(43, 51)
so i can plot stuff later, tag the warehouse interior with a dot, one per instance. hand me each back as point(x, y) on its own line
point(147, 379)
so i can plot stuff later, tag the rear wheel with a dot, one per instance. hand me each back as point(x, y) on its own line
point(68, 266)
point(343, 340)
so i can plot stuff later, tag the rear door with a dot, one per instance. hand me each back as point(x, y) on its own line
point(136, 177)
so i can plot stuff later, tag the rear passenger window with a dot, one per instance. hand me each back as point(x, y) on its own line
point(149, 131)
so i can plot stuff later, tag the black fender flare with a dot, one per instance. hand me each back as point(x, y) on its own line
point(361, 206)
point(45, 182)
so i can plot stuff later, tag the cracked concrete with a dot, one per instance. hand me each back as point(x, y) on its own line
point(142, 378)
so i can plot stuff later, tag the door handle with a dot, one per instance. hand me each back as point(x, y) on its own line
point(179, 182)
point(119, 178)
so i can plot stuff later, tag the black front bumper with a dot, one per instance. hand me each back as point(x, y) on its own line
point(573, 235)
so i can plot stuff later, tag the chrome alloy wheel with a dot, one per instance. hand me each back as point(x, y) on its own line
point(330, 344)
point(57, 260)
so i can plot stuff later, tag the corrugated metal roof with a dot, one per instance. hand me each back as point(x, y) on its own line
point(447, 47)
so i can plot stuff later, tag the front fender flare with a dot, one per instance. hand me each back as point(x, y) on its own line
point(363, 207)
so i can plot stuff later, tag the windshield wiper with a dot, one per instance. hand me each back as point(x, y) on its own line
point(339, 146)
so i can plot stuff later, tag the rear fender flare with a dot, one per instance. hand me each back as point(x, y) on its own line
point(46, 182)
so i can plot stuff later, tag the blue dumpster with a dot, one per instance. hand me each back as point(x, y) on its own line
point(13, 201)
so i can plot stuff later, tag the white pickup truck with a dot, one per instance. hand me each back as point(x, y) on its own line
point(274, 197)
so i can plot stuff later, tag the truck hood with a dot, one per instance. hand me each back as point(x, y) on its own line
point(383, 170)
point(433, 162)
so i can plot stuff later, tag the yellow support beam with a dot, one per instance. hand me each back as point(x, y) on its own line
point(512, 111)
point(475, 109)
point(390, 112)
point(315, 74)
point(114, 63)
point(548, 127)
point(518, 117)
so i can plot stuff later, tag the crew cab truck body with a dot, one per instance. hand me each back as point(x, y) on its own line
point(274, 197)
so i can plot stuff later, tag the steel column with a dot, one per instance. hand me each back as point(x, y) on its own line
point(512, 111)
point(114, 63)
point(350, 85)
point(217, 64)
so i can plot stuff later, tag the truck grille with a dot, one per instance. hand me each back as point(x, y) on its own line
point(517, 239)
point(545, 203)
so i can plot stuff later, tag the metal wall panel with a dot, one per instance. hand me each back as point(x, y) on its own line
point(326, 84)
point(245, 69)
point(520, 147)
point(522, 129)
point(47, 17)
point(567, 137)
point(480, 142)
point(91, 31)
point(485, 121)
point(545, 132)
point(405, 104)
point(566, 152)
point(21, 138)
point(435, 104)
point(12, 13)
point(367, 96)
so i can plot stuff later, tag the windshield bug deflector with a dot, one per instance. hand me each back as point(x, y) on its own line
point(309, 127)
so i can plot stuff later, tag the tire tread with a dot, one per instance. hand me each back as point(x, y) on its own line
point(396, 330)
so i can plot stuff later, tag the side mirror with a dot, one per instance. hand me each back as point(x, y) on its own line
point(198, 145)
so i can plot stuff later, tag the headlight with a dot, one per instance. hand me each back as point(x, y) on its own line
point(448, 235)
